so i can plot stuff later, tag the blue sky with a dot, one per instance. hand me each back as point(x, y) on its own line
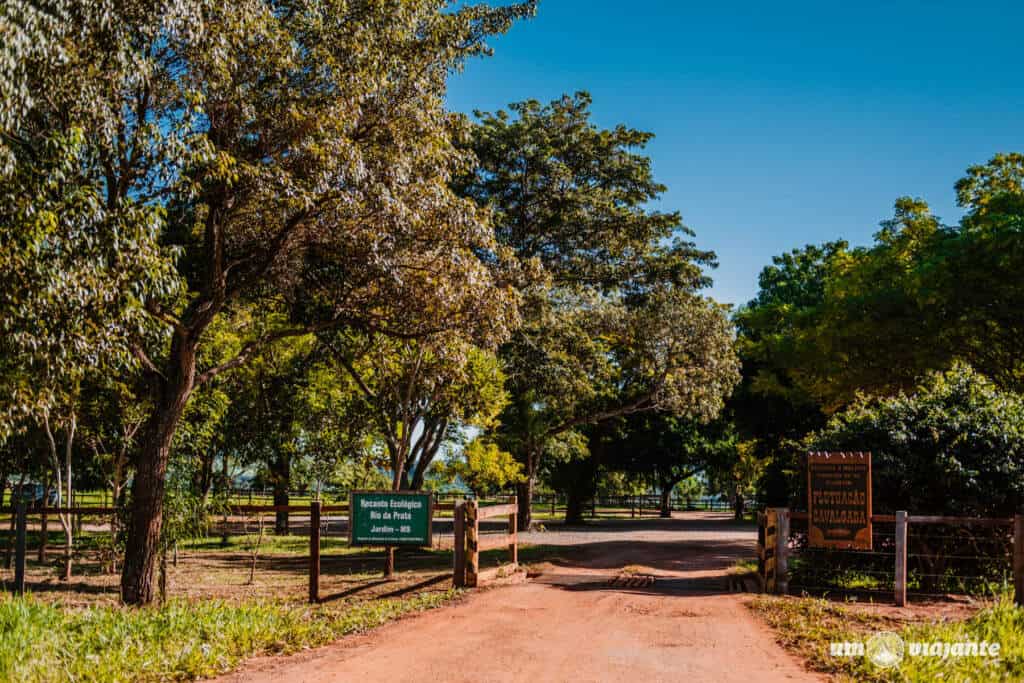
point(779, 123)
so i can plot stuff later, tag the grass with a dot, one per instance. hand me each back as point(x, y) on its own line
point(744, 567)
point(182, 640)
point(806, 626)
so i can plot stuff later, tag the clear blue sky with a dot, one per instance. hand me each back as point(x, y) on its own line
point(779, 123)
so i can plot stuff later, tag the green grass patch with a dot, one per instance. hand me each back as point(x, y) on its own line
point(745, 567)
point(179, 641)
point(806, 626)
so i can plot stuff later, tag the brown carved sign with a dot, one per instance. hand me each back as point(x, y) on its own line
point(839, 500)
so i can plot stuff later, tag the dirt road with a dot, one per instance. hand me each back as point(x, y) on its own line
point(645, 601)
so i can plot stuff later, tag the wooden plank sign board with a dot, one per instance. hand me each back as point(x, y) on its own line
point(839, 500)
point(386, 518)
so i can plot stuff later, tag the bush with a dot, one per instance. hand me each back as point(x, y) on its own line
point(954, 447)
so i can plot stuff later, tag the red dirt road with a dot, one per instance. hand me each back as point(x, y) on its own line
point(579, 620)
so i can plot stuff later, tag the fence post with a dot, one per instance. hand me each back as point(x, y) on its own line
point(314, 551)
point(1018, 559)
point(19, 549)
point(472, 543)
point(513, 546)
point(762, 523)
point(781, 548)
point(901, 558)
point(459, 548)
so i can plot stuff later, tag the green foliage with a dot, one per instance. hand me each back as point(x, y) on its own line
point(663, 448)
point(419, 394)
point(736, 470)
point(927, 293)
point(178, 641)
point(954, 446)
point(483, 467)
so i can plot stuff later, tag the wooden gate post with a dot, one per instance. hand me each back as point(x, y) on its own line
point(900, 580)
point(513, 531)
point(781, 549)
point(1018, 559)
point(314, 550)
point(459, 547)
point(472, 543)
point(762, 523)
point(19, 548)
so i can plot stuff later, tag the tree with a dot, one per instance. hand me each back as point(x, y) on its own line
point(306, 168)
point(611, 323)
point(667, 450)
point(735, 471)
point(483, 467)
point(421, 393)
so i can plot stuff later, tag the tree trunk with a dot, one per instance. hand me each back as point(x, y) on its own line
point(44, 526)
point(575, 501)
point(144, 525)
point(15, 492)
point(738, 506)
point(68, 538)
point(524, 498)
point(202, 480)
point(666, 501)
point(280, 472)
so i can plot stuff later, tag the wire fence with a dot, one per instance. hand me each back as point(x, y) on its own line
point(942, 557)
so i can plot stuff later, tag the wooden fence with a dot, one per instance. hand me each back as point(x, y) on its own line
point(469, 542)
point(775, 547)
point(466, 517)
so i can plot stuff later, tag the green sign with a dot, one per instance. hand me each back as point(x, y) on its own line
point(389, 518)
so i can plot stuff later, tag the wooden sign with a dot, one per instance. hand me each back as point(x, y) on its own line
point(839, 500)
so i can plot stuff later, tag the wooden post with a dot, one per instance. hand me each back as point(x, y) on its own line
point(459, 550)
point(472, 544)
point(761, 555)
point(19, 549)
point(771, 531)
point(314, 551)
point(554, 501)
point(1018, 559)
point(900, 581)
point(781, 548)
point(513, 546)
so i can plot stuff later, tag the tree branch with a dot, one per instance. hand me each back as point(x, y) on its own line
point(250, 348)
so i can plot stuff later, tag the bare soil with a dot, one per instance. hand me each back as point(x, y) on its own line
point(627, 601)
